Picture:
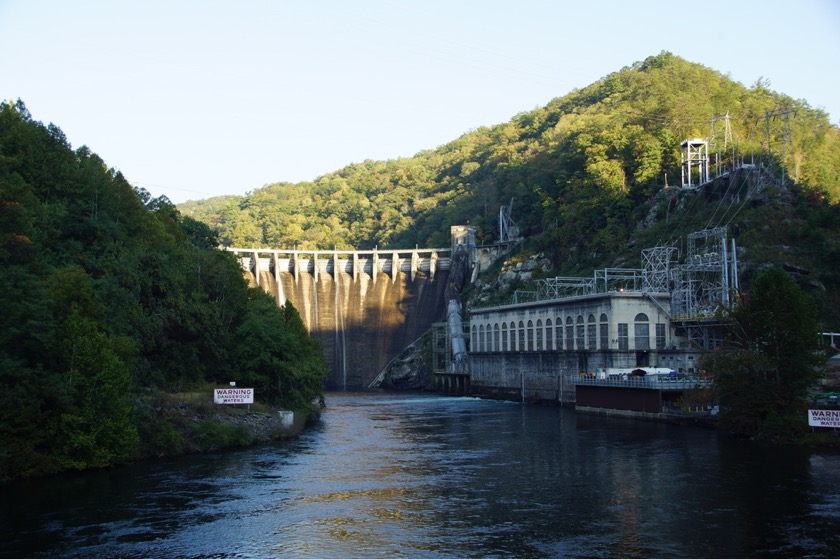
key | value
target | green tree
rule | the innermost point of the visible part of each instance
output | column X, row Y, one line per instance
column 96, row 429
column 764, row 378
column 31, row 394
column 276, row 355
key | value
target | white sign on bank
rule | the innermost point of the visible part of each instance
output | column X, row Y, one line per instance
column 824, row 418
column 233, row 396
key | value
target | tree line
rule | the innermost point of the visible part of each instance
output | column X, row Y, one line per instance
column 588, row 161
column 110, row 295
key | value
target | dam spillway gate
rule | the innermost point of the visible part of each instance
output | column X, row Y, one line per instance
column 364, row 306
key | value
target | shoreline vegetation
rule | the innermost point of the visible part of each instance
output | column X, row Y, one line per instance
column 190, row 423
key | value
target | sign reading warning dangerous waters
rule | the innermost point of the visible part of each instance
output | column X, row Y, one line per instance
column 233, row 396
column 824, row 418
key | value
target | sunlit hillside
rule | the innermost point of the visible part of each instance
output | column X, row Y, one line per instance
column 591, row 176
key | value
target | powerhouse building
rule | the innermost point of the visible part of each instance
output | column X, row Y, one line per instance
column 621, row 329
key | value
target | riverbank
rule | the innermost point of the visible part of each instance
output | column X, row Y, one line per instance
column 186, row 423
column 176, row 424
column 395, row 475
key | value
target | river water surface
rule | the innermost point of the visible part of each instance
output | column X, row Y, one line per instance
column 433, row 477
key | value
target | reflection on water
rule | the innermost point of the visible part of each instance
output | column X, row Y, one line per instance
column 419, row 476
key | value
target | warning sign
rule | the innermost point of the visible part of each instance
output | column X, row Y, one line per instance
column 233, row 396
column 824, row 418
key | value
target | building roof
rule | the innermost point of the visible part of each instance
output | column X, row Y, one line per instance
column 576, row 299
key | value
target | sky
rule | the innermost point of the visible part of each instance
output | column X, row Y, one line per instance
column 198, row 98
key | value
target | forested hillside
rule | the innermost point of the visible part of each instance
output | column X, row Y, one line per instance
column 110, row 298
column 609, row 146
column 588, row 175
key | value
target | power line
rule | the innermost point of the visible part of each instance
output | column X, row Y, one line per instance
column 146, row 186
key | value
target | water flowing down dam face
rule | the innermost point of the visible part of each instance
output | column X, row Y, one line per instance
column 362, row 324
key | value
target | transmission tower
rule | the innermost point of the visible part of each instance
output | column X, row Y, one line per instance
column 714, row 142
column 508, row 230
column 656, row 267
column 707, row 279
column 786, row 133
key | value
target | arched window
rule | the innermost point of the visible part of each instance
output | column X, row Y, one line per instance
column 513, row 337
column 504, row 337
column 558, row 335
column 481, row 338
column 605, row 332
column 496, row 337
column 623, row 337
column 660, row 335
column 539, row 335
column 474, row 340
column 549, row 335
column 570, row 333
column 530, row 335
column 642, row 331
column 579, row 334
column 521, row 346
column 590, row 333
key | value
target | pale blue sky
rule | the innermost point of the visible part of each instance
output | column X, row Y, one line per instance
column 192, row 99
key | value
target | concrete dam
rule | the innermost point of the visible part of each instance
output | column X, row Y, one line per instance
column 365, row 307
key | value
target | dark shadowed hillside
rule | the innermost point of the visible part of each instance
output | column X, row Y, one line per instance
column 110, row 302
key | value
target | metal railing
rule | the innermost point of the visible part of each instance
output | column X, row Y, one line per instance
column 641, row 382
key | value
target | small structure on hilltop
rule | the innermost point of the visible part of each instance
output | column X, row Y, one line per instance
column 695, row 163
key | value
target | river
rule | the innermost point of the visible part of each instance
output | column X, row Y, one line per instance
column 392, row 475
